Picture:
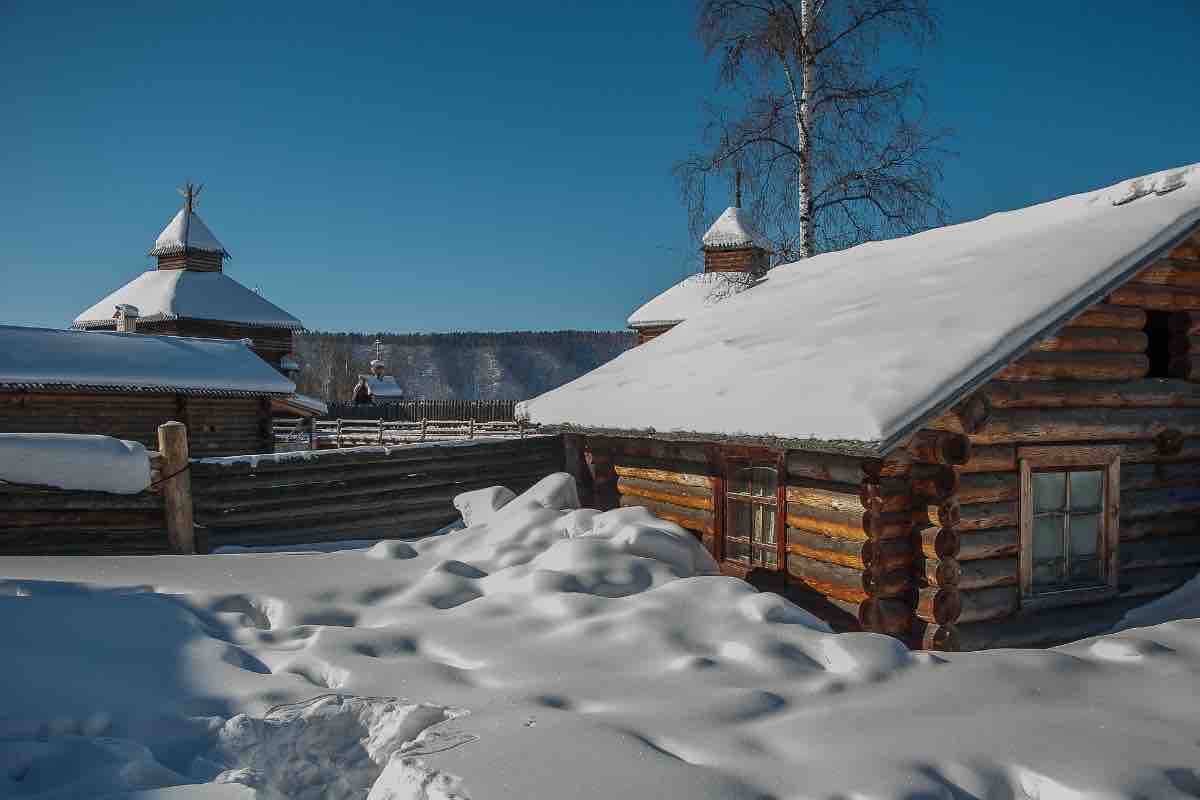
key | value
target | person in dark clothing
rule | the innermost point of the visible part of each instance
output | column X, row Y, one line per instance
column 362, row 394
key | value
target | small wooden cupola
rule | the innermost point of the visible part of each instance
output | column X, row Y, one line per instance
column 186, row 242
column 731, row 243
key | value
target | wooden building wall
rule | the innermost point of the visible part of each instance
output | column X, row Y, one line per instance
column 645, row 334
column 216, row 425
column 1091, row 383
column 271, row 344
column 925, row 544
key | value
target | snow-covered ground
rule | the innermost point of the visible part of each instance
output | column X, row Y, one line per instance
column 548, row 652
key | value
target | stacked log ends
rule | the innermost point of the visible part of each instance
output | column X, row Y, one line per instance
column 1169, row 442
column 973, row 412
column 941, row 605
column 930, row 636
column 936, row 542
column 885, row 615
column 940, row 447
column 934, row 481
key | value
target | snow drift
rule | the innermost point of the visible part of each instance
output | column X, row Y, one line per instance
column 598, row 654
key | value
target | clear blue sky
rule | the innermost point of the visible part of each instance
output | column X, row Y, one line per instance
column 482, row 165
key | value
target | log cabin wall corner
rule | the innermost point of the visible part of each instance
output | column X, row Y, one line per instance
column 1096, row 429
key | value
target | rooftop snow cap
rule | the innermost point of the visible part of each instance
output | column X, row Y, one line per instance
column 186, row 231
column 856, row 349
column 730, row 230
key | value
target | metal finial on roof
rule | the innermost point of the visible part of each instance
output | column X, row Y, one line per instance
column 737, row 188
column 190, row 192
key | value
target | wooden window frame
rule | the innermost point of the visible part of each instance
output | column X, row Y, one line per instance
column 1067, row 457
column 731, row 458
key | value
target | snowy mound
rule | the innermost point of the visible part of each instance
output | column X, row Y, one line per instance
column 71, row 461
column 547, row 651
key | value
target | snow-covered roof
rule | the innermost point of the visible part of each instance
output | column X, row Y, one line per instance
column 164, row 294
column 731, row 230
column 44, row 358
column 690, row 296
column 186, row 232
column 384, row 388
column 304, row 404
column 866, row 344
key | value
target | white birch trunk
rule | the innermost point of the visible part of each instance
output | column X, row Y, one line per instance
column 803, row 128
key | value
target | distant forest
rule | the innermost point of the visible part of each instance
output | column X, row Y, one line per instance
column 456, row 366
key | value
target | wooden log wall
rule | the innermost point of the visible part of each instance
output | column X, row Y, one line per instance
column 848, row 543
column 216, row 425
column 1086, row 384
column 856, row 527
column 675, row 480
column 324, row 495
column 42, row 521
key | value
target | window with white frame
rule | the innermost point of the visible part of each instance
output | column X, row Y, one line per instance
column 1069, row 518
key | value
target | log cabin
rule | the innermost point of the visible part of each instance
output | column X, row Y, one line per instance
column 188, row 293
column 979, row 436
column 735, row 256
column 126, row 385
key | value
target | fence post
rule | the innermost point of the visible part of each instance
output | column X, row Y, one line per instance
column 312, row 433
column 338, row 439
column 381, row 430
column 423, row 423
column 177, row 487
column 471, row 429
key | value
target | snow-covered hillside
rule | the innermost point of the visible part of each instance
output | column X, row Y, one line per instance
column 547, row 651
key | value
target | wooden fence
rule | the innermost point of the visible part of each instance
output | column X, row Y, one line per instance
column 281, row 498
column 417, row 410
column 363, row 492
column 40, row 520
column 292, row 433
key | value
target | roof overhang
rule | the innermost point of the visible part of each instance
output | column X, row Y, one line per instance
column 1175, row 235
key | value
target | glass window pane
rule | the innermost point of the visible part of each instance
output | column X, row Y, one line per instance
column 739, row 481
column 1086, row 490
column 1085, row 570
column 768, row 526
column 739, row 551
column 1048, row 537
column 1085, row 535
column 769, row 558
column 1049, row 491
column 740, row 522
column 764, row 482
column 1045, row 575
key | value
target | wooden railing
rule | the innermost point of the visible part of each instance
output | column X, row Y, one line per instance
column 416, row 410
column 299, row 434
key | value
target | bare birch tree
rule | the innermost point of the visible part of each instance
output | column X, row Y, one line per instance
column 828, row 136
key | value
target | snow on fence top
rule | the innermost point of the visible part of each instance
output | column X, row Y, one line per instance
column 690, row 296
column 69, row 461
column 32, row 358
column 186, row 231
column 730, row 230
column 173, row 293
column 862, row 345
